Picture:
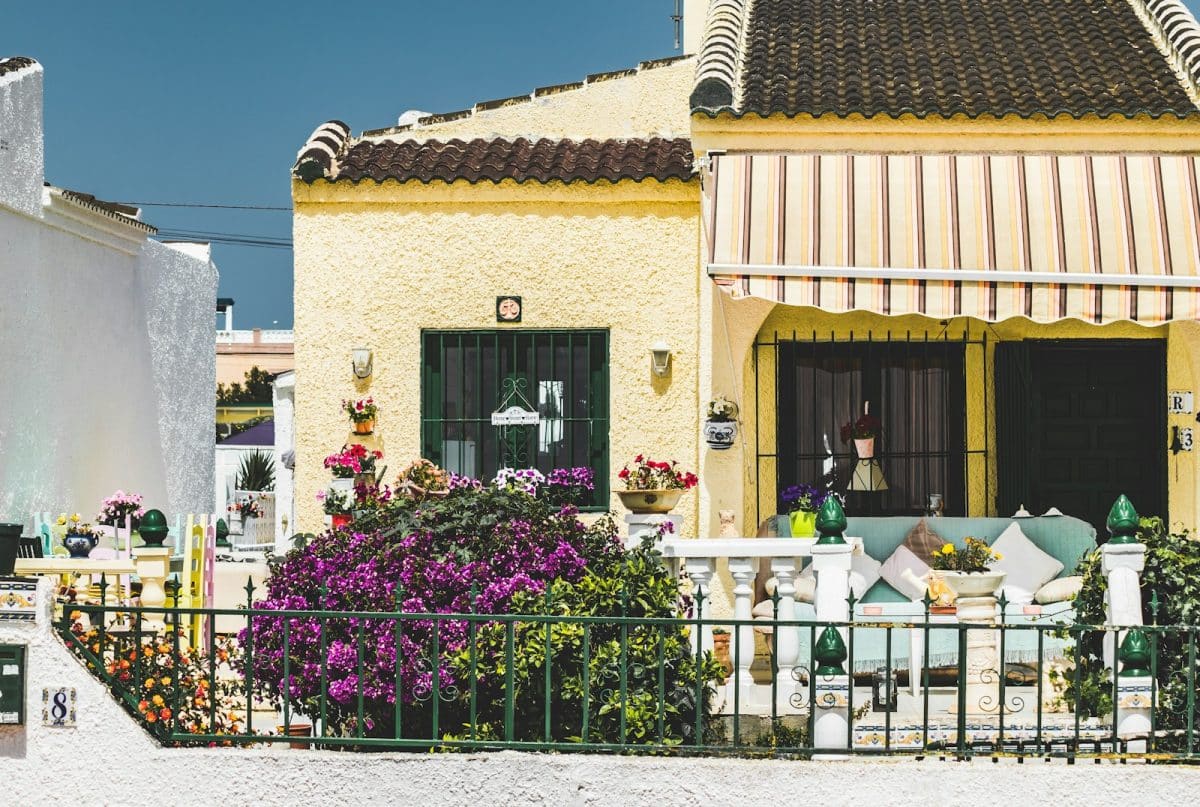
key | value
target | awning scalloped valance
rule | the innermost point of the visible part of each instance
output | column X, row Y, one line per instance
column 1096, row 237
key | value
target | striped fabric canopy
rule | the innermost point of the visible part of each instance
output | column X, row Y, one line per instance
column 1097, row 237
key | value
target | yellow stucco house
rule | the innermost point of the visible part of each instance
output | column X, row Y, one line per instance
column 980, row 220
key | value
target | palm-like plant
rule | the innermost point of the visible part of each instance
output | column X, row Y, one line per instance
column 257, row 472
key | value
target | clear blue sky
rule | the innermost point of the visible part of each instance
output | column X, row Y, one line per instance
column 209, row 102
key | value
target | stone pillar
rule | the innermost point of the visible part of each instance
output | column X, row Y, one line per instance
column 1134, row 692
column 641, row 525
column 1122, row 560
column 831, row 699
column 153, row 564
column 742, row 644
column 983, row 666
column 700, row 572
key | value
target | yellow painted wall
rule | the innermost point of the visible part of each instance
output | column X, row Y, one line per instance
column 732, row 476
column 376, row 264
column 651, row 102
column 909, row 134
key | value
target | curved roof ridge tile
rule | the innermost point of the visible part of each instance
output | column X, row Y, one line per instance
column 318, row 156
column 718, row 66
column 1180, row 33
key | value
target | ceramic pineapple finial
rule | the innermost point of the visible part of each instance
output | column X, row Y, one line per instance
column 831, row 522
column 1122, row 522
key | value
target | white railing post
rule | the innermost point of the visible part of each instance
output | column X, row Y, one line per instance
column 1122, row 560
column 786, row 637
column 700, row 572
column 831, row 564
column 743, row 571
column 650, row 525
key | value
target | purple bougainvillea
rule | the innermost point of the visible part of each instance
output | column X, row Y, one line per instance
column 498, row 541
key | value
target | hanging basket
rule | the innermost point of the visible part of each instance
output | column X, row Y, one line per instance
column 720, row 434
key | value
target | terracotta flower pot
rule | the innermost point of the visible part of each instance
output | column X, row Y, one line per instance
column 721, row 652
column 364, row 426
column 650, row 501
column 296, row 730
column 865, row 448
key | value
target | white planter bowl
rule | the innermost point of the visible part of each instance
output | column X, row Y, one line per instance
column 974, row 584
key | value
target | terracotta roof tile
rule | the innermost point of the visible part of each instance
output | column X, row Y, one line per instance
column 949, row 57
column 521, row 160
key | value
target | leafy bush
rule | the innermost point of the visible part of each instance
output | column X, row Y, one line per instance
column 508, row 548
column 1172, row 574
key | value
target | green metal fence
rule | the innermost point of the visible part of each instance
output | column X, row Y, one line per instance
column 549, row 681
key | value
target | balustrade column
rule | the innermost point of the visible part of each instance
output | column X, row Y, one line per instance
column 700, row 572
column 1122, row 561
column 743, row 572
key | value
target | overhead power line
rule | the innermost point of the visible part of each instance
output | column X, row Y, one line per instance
column 201, row 204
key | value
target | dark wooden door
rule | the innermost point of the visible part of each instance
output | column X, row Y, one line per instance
column 1096, row 427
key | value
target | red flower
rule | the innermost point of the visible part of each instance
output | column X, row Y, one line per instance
column 638, row 458
column 624, row 474
column 358, row 405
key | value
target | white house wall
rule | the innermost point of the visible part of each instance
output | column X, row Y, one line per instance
column 107, row 369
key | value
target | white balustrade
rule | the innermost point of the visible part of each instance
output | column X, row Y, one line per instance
column 698, row 557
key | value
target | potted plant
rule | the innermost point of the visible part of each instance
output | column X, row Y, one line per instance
column 256, row 472
column 720, row 427
column 362, row 414
column 10, row 543
column 353, row 465
column 863, row 432
column 119, row 508
column 967, row 571
column 247, row 508
column 652, row 486
column 802, row 503
column 79, row 538
column 422, row 479
column 337, row 506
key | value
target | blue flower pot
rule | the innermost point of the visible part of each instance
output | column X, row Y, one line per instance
column 79, row 545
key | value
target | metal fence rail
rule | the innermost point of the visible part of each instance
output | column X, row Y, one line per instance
column 552, row 682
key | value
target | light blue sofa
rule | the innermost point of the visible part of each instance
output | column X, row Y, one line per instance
column 1067, row 539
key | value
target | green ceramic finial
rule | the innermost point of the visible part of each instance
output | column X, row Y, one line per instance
column 831, row 522
column 830, row 652
column 1135, row 654
column 222, row 533
column 153, row 528
column 1122, row 522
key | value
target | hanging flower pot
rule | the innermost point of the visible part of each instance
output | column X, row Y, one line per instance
column 865, row 448
column 364, row 426
column 720, row 434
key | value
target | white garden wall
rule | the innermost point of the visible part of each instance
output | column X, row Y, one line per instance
column 108, row 759
column 107, row 368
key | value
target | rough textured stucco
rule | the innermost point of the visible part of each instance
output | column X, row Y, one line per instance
column 112, row 761
column 375, row 265
column 21, row 155
column 107, row 361
column 652, row 101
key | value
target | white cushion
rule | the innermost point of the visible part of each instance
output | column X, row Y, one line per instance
column 864, row 573
column 806, row 590
column 1026, row 567
column 1060, row 589
column 893, row 572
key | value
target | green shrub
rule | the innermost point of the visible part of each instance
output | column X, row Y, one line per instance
column 256, row 472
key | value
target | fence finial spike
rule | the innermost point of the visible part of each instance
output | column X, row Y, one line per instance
column 1122, row 522
column 1135, row 654
column 830, row 652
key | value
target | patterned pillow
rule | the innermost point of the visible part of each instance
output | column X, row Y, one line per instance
column 922, row 541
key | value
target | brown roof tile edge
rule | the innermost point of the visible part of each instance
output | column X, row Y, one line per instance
column 521, row 160
column 113, row 210
column 539, row 92
column 317, row 157
column 1181, row 33
column 12, row 64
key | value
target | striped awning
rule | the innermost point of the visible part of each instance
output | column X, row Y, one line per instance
column 1096, row 237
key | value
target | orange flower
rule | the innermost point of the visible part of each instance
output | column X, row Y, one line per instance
column 143, row 706
column 149, row 683
column 151, row 717
column 165, row 714
column 124, row 664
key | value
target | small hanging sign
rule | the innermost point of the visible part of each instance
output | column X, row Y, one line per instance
column 516, row 416
column 1179, row 402
column 515, row 409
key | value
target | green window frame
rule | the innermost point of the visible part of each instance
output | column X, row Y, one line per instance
column 564, row 374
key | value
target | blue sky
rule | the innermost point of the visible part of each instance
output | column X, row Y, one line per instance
column 209, row 102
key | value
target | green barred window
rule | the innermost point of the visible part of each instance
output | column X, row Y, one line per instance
column 563, row 375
